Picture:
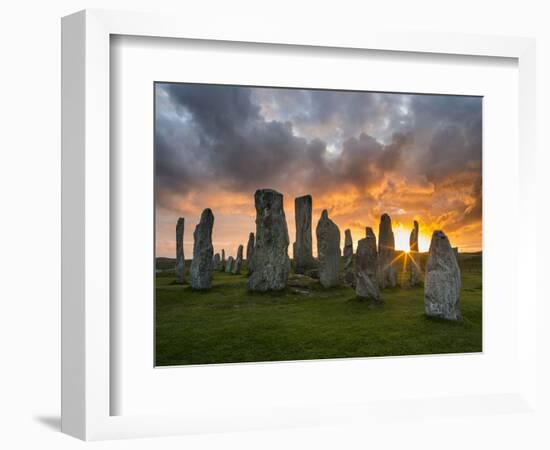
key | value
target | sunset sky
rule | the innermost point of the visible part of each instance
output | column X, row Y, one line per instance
column 359, row 154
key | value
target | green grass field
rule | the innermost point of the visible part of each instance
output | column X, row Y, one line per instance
column 228, row 324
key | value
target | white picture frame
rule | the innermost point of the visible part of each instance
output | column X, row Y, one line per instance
column 86, row 245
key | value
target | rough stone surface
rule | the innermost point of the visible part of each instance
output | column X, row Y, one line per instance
column 217, row 261
column 328, row 250
column 387, row 275
column 229, row 264
column 349, row 275
column 222, row 262
column 313, row 273
column 180, row 258
column 236, row 269
column 271, row 262
column 442, row 280
column 366, row 267
column 414, row 257
column 250, row 254
column 455, row 250
column 202, row 265
column 302, row 248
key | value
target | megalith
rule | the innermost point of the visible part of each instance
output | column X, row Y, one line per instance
column 414, row 257
column 271, row 261
column 366, row 268
column 222, row 262
column 387, row 275
column 442, row 280
column 302, row 247
column 349, row 275
column 202, row 264
column 217, row 261
column 229, row 264
column 180, row 258
column 250, row 254
column 328, row 250
column 236, row 269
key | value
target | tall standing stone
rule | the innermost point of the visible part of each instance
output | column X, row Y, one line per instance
column 414, row 257
column 387, row 274
column 250, row 254
column 222, row 262
column 366, row 267
column 328, row 250
column 180, row 258
column 202, row 265
column 236, row 269
column 442, row 280
column 217, row 261
column 270, row 261
column 302, row 248
column 349, row 275
column 229, row 264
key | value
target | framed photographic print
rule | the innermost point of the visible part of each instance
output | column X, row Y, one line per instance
column 266, row 229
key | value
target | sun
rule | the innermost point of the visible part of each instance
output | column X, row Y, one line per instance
column 401, row 235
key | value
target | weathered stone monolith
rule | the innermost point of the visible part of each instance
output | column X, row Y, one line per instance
column 236, row 269
column 387, row 275
column 180, row 258
column 223, row 261
column 202, row 264
column 414, row 257
column 442, row 280
column 271, row 262
column 250, row 254
column 349, row 275
column 302, row 248
column 328, row 250
column 366, row 268
column 217, row 261
column 229, row 264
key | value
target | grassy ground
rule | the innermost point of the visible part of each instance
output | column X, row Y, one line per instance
column 229, row 324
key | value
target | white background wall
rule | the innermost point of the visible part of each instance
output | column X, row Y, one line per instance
column 30, row 199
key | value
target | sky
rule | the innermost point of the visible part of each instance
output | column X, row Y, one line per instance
column 359, row 154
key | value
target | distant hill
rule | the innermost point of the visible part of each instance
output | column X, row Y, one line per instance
column 164, row 264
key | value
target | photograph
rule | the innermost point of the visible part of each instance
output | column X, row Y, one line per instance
column 295, row 223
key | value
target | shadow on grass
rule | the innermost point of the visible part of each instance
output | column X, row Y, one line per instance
column 369, row 302
column 441, row 321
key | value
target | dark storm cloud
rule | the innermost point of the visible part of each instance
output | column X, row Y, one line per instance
column 238, row 139
column 218, row 134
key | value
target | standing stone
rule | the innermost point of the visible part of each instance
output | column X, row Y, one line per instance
column 349, row 275
column 328, row 250
column 229, row 264
column 387, row 275
column 442, row 280
column 271, row 262
column 302, row 248
column 455, row 251
column 217, row 261
column 366, row 268
column 236, row 269
column 250, row 254
column 414, row 257
column 222, row 262
column 202, row 264
column 180, row 258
